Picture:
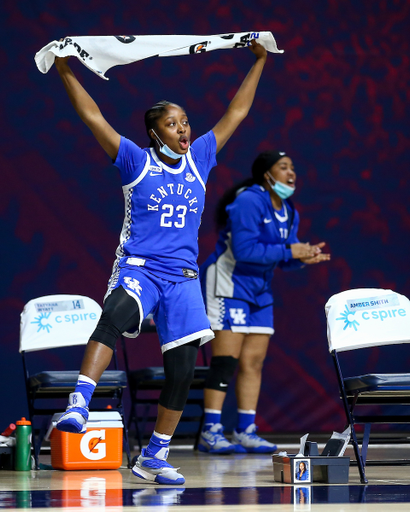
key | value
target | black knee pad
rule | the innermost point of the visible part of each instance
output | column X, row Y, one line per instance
column 120, row 314
column 220, row 373
column 179, row 366
column 106, row 333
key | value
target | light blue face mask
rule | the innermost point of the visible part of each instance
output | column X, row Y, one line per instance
column 283, row 190
column 166, row 150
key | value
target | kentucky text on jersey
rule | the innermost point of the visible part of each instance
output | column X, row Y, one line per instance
column 180, row 190
column 163, row 207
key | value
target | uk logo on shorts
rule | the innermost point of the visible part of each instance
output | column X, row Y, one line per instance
column 238, row 316
column 133, row 284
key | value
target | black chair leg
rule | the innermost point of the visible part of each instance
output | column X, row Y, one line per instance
column 198, row 434
column 125, row 439
column 133, row 418
column 39, row 441
column 127, row 447
column 359, row 459
column 36, row 445
column 144, row 421
column 365, row 442
column 349, row 418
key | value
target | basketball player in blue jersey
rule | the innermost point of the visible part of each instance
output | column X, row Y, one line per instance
column 259, row 233
column 156, row 265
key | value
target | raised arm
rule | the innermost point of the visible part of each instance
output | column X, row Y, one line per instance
column 240, row 105
column 88, row 110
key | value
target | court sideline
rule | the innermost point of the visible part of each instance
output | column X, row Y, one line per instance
column 214, row 483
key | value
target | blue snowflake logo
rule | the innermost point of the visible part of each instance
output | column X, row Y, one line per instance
column 346, row 316
column 42, row 322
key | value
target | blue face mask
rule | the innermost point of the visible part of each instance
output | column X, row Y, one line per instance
column 165, row 150
column 283, row 190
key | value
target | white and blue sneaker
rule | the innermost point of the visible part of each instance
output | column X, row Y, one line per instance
column 156, row 470
column 248, row 442
column 75, row 416
column 157, row 497
column 213, row 441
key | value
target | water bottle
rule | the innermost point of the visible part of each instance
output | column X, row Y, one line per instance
column 22, row 461
column 9, row 430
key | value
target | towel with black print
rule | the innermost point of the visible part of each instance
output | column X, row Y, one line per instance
column 100, row 53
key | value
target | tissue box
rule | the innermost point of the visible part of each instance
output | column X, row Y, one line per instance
column 308, row 469
column 100, row 447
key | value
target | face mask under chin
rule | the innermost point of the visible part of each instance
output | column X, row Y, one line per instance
column 166, row 150
column 282, row 190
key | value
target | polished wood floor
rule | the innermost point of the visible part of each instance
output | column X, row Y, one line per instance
column 213, row 483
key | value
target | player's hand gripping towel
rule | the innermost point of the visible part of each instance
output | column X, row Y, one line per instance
column 100, row 53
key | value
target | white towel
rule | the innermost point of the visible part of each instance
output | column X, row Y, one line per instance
column 100, row 53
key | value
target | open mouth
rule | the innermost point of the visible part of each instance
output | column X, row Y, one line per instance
column 291, row 183
column 184, row 142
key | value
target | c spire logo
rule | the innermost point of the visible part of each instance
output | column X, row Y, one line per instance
column 58, row 313
column 42, row 322
column 347, row 317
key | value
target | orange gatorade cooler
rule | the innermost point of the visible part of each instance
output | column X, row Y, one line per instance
column 100, row 447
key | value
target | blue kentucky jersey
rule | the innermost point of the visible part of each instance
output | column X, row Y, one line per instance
column 255, row 240
column 163, row 207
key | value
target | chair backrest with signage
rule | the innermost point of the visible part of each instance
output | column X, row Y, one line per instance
column 365, row 318
column 55, row 322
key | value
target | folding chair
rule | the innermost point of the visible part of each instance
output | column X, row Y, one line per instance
column 58, row 321
column 145, row 385
column 361, row 319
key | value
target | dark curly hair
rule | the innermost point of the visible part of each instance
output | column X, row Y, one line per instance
column 262, row 163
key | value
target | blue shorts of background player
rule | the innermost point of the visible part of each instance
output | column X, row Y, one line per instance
column 238, row 315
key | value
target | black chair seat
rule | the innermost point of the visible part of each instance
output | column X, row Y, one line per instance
column 50, row 381
column 378, row 383
column 153, row 377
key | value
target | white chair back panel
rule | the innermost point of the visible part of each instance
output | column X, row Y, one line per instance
column 366, row 317
column 57, row 321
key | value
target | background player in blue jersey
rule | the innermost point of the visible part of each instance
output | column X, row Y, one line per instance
column 259, row 233
column 155, row 269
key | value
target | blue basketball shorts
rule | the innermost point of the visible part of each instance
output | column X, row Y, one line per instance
column 236, row 315
column 178, row 308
